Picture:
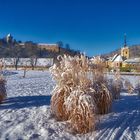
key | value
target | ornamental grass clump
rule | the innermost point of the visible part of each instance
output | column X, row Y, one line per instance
column 2, row 89
column 80, row 93
column 82, row 108
column 102, row 96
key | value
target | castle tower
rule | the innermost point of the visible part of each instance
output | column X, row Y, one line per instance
column 125, row 50
column 9, row 38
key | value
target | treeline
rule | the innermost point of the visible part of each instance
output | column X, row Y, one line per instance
column 13, row 48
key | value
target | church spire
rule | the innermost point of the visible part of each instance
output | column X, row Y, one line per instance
column 125, row 42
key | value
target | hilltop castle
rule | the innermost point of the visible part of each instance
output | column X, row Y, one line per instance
column 42, row 46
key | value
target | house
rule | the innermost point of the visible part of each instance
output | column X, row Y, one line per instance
column 49, row 47
column 117, row 61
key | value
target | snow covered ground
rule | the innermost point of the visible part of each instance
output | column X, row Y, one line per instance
column 26, row 114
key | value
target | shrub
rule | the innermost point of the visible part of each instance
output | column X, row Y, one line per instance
column 129, row 86
column 2, row 89
column 125, row 69
column 115, row 88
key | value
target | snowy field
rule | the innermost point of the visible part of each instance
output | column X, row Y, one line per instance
column 26, row 115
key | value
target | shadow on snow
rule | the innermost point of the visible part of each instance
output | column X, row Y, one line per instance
column 7, row 73
column 25, row 102
column 125, row 115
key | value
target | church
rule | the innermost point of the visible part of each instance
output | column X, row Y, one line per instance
column 123, row 60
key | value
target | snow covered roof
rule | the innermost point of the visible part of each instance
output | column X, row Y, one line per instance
column 117, row 58
column 114, row 57
column 27, row 61
column 133, row 60
column 45, row 44
column 126, row 47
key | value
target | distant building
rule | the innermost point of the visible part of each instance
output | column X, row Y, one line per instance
column 125, row 52
column 123, row 60
column 49, row 47
column 9, row 38
column 117, row 61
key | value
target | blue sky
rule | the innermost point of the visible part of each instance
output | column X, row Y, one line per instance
column 92, row 26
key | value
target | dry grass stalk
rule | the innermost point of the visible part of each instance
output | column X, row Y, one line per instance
column 103, row 99
column 57, row 104
column 2, row 89
column 82, row 109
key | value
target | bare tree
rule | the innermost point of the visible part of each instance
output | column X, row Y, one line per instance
column 25, row 69
column 16, row 54
column 16, row 61
column 33, row 62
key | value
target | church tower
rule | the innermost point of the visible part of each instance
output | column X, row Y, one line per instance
column 125, row 50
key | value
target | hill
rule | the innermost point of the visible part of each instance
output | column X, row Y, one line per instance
column 10, row 47
column 134, row 52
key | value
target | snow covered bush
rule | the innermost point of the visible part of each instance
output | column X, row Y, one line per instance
column 102, row 95
column 115, row 85
column 129, row 87
column 2, row 89
column 76, row 97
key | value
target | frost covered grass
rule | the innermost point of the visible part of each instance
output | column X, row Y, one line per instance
column 78, row 97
